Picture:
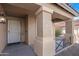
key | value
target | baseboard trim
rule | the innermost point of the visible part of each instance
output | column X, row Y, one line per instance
column 14, row 43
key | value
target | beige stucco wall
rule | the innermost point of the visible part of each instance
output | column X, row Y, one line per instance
column 2, row 36
column 23, row 31
column 44, row 41
column 31, row 29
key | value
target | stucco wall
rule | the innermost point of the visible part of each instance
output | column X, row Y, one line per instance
column 26, row 30
column 23, row 30
column 45, row 43
column 31, row 29
column 2, row 36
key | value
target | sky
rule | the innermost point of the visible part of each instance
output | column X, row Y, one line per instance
column 76, row 7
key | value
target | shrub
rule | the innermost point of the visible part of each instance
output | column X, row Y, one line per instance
column 57, row 32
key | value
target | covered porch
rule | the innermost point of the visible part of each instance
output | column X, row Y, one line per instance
column 36, row 26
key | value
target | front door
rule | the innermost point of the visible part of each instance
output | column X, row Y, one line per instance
column 13, row 31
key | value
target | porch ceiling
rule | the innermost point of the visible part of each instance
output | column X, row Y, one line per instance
column 58, row 17
column 19, row 10
column 22, row 9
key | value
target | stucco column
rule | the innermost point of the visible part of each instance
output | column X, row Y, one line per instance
column 45, row 43
column 31, row 28
column 69, row 31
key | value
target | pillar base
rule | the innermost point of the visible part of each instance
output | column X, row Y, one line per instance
column 44, row 46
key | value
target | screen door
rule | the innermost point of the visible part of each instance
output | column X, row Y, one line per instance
column 13, row 31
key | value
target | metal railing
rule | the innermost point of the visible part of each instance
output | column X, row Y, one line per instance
column 60, row 44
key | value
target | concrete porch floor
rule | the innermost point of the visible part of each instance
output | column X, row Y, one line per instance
column 18, row 50
column 25, row 50
column 71, row 51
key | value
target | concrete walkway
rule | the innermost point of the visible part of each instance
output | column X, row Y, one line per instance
column 72, row 51
column 18, row 50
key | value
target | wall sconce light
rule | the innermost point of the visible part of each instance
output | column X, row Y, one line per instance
column 2, row 19
column 2, row 14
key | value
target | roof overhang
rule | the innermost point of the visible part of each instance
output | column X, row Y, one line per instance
column 68, row 8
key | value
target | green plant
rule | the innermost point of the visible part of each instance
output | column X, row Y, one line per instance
column 57, row 32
